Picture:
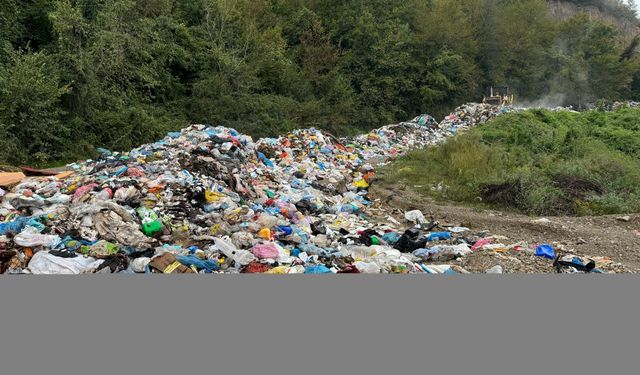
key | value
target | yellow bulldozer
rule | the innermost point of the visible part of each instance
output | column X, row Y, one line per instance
column 499, row 95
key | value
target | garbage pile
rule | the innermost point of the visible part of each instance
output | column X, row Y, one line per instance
column 610, row 105
column 619, row 105
column 211, row 200
column 472, row 114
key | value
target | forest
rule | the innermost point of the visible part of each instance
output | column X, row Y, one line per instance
column 81, row 74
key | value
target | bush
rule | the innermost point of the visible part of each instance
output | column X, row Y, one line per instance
column 538, row 162
column 31, row 126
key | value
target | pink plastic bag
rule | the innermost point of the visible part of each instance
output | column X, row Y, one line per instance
column 481, row 242
column 82, row 190
column 265, row 251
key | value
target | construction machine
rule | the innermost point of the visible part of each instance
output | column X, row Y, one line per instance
column 499, row 95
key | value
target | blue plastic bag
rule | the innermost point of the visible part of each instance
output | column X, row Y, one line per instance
column 15, row 226
column 439, row 236
column 425, row 253
column 265, row 160
column 121, row 171
column 317, row 269
column 287, row 230
column 545, row 251
column 200, row 264
column 391, row 237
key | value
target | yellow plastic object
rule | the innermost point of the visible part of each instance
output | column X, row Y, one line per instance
column 212, row 196
column 280, row 270
column 264, row 233
column 361, row 184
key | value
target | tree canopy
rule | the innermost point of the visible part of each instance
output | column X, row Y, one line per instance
column 76, row 74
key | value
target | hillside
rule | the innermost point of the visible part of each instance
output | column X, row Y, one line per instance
column 624, row 19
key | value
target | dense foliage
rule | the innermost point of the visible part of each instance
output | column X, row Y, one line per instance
column 538, row 162
column 75, row 74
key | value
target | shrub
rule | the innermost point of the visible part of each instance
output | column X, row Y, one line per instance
column 538, row 162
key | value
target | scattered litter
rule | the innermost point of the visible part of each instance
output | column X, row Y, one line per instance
column 545, row 251
column 211, row 200
column 542, row 220
column 497, row 269
column 414, row 216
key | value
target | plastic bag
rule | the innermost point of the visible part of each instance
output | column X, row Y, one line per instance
column 545, row 251
column 367, row 267
column 443, row 252
column 437, row 236
column 266, row 251
column 15, row 226
column 207, row 265
column 414, row 216
column 481, row 242
column 317, row 269
column 139, row 265
column 358, row 252
column 31, row 237
column 444, row 269
column 44, row 263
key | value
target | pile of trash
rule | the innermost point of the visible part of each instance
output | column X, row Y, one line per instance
column 211, row 200
column 610, row 105
column 472, row 114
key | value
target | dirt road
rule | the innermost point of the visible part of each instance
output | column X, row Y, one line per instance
column 592, row 236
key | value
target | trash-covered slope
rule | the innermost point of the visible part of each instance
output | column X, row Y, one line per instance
column 208, row 199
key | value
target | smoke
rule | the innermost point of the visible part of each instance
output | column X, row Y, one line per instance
column 553, row 100
column 567, row 84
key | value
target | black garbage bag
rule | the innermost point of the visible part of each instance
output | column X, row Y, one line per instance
column 115, row 263
column 365, row 237
column 318, row 228
column 411, row 240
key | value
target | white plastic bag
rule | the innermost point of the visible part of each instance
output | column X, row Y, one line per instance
column 44, row 263
column 367, row 267
column 139, row 265
column 30, row 237
column 448, row 252
column 361, row 252
column 414, row 216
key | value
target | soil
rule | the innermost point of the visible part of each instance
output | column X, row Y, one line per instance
column 591, row 236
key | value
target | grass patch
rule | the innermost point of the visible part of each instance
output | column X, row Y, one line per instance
column 538, row 162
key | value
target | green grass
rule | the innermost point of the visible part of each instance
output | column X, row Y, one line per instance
column 538, row 162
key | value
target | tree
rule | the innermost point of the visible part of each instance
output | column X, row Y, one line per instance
column 129, row 70
column 516, row 37
column 588, row 64
column 31, row 118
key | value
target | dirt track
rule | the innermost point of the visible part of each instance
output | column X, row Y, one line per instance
column 593, row 236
